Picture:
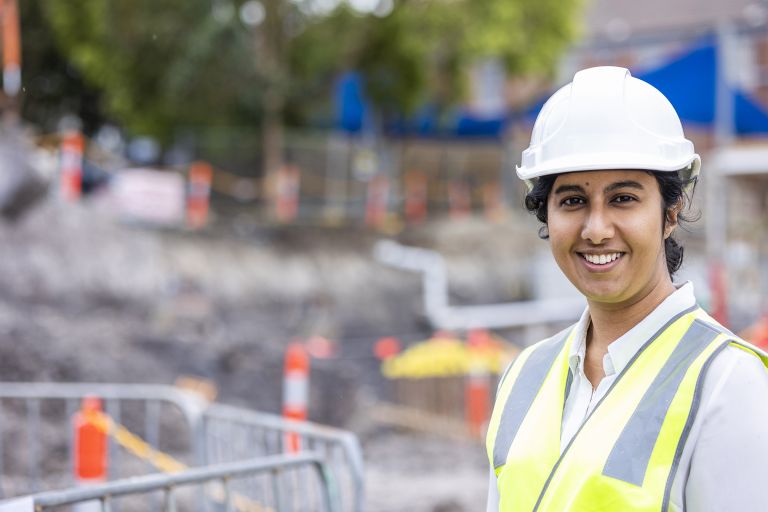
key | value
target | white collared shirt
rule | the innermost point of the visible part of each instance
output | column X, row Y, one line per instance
column 725, row 459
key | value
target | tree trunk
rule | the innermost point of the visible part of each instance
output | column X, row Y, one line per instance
column 273, row 101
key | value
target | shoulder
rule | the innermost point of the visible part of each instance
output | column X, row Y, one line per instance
column 730, row 442
column 737, row 350
column 738, row 370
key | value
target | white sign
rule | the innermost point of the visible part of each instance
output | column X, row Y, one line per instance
column 146, row 195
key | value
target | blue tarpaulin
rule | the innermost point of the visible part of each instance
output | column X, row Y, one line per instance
column 351, row 104
column 688, row 81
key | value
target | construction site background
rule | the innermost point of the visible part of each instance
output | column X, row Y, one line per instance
column 195, row 265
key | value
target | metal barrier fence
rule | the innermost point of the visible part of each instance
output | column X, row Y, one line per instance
column 36, row 441
column 336, row 174
column 225, row 494
column 233, row 433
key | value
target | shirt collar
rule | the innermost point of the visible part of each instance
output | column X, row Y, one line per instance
column 622, row 350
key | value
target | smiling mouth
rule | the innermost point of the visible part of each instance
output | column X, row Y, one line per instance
column 602, row 259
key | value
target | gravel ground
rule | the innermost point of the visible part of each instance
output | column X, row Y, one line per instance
column 423, row 474
column 84, row 297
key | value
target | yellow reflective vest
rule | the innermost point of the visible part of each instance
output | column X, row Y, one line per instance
column 625, row 455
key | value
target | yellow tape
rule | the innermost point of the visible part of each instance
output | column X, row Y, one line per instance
column 162, row 461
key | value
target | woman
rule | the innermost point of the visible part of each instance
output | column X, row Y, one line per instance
column 646, row 403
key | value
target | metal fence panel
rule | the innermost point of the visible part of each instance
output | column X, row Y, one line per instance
column 180, row 424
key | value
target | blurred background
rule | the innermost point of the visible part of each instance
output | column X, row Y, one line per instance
column 189, row 187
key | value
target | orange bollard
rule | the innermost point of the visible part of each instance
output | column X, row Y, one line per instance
column 320, row 347
column 71, row 165
column 295, row 391
column 459, row 199
column 199, row 194
column 387, row 348
column 90, row 451
column 11, row 47
column 287, row 193
column 477, row 393
column 493, row 202
column 376, row 202
column 718, row 290
column 479, row 338
column 415, row 197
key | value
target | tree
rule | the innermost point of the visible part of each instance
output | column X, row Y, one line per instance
column 423, row 49
column 161, row 64
column 51, row 87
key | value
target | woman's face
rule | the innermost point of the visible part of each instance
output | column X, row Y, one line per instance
column 607, row 234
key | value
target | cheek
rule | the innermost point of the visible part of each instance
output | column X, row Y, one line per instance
column 646, row 232
column 561, row 236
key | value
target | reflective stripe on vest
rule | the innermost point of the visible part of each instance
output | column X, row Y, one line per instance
column 625, row 455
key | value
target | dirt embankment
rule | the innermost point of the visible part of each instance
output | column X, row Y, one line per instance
column 86, row 298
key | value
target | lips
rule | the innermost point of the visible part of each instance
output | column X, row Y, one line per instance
column 600, row 263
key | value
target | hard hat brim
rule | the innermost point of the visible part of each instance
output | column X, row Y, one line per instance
column 608, row 162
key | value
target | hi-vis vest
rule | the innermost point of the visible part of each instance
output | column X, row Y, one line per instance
column 625, row 455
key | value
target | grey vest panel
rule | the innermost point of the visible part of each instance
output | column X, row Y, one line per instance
column 524, row 391
column 628, row 460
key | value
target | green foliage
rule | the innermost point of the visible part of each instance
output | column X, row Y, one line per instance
column 424, row 48
column 51, row 87
column 162, row 64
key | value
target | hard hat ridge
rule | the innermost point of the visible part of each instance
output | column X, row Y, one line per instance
column 607, row 119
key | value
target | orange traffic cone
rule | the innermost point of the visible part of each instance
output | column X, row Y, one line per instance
column 718, row 289
column 377, row 201
column 71, row 165
column 11, row 48
column 415, row 196
column 90, row 453
column 295, row 391
column 387, row 348
column 199, row 194
column 493, row 201
column 477, row 392
column 459, row 199
column 287, row 200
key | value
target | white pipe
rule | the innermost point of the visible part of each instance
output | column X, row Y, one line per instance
column 489, row 316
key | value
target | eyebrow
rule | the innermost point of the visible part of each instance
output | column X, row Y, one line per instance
column 569, row 188
column 610, row 188
column 623, row 184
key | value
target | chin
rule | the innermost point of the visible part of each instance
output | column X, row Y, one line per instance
column 604, row 292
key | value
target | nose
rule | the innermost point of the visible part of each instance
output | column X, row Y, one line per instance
column 598, row 226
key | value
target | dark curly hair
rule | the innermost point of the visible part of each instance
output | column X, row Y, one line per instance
column 672, row 188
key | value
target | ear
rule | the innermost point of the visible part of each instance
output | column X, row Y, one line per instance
column 671, row 218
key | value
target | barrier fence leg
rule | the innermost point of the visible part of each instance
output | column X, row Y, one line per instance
column 2, row 472
column 33, row 436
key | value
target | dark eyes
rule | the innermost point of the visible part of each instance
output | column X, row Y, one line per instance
column 577, row 200
column 572, row 201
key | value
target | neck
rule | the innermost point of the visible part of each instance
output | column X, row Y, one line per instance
column 610, row 321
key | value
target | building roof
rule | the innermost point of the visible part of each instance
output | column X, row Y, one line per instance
column 619, row 20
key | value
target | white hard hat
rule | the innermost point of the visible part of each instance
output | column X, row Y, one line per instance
column 606, row 119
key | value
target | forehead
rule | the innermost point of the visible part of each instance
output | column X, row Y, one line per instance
column 600, row 179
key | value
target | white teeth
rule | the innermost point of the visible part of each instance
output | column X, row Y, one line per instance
column 602, row 259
